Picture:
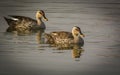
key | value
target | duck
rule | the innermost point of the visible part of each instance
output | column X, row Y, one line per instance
column 23, row 24
column 66, row 38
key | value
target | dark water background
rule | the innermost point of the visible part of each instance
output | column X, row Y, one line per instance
column 99, row 21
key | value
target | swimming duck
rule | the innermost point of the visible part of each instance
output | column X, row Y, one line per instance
column 64, row 37
column 23, row 24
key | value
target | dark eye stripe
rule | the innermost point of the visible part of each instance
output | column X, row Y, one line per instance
column 78, row 29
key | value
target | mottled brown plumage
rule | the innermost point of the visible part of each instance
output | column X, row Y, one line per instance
column 64, row 37
column 23, row 24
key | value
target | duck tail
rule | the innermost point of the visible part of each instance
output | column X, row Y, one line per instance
column 9, row 21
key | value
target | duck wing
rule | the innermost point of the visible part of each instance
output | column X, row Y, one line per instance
column 22, row 17
column 14, row 20
column 49, row 39
column 58, row 36
column 61, row 35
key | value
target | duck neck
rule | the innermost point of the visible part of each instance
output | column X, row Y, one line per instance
column 38, row 18
column 39, row 21
column 75, row 35
column 76, row 39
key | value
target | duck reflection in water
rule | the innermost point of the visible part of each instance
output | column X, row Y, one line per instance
column 77, row 52
column 40, row 37
column 26, row 25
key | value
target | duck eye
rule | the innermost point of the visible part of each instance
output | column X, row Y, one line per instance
column 77, row 29
column 40, row 12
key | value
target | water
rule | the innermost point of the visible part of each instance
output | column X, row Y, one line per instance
column 99, row 21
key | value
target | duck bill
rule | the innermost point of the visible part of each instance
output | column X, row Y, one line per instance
column 80, row 33
column 44, row 17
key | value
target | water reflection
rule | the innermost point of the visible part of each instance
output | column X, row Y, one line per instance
column 14, row 38
column 40, row 36
column 77, row 51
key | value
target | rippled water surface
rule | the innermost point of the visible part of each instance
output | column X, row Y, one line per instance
column 99, row 21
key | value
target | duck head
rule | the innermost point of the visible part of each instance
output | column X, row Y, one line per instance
column 76, row 31
column 39, row 15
